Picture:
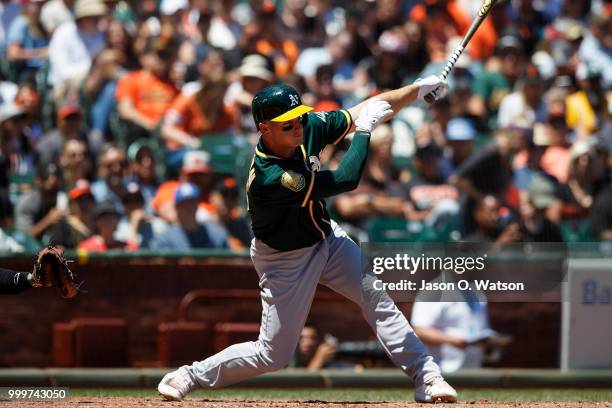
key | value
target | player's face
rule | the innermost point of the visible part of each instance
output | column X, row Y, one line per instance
column 288, row 133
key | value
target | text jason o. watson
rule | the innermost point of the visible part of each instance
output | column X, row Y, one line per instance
column 423, row 285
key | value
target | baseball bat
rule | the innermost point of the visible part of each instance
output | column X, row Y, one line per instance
column 486, row 7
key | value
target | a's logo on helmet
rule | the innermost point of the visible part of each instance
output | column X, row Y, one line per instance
column 294, row 101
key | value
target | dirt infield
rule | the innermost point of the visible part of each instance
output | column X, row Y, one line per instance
column 122, row 402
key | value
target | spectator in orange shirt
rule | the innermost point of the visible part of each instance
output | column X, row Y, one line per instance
column 144, row 96
column 444, row 19
column 271, row 41
column 191, row 116
column 197, row 170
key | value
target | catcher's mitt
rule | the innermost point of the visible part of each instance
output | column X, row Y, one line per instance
column 51, row 270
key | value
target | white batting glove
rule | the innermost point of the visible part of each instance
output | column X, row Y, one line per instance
column 371, row 114
column 433, row 84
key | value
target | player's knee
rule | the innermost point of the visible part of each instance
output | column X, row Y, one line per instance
column 274, row 359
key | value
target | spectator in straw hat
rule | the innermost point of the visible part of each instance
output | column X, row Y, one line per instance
column 255, row 73
column 75, row 44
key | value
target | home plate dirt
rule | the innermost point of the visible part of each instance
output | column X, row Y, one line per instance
column 131, row 402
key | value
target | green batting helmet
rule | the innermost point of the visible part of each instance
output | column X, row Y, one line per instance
column 277, row 103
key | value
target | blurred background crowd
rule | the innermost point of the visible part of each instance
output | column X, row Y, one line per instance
column 127, row 124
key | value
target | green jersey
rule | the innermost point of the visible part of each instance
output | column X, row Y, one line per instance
column 287, row 212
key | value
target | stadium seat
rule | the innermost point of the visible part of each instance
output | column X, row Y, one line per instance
column 229, row 153
column 385, row 229
column 576, row 231
column 19, row 184
column 227, row 334
column 91, row 342
column 181, row 343
column 394, row 230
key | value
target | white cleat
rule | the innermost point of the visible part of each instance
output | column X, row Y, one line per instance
column 174, row 386
column 435, row 390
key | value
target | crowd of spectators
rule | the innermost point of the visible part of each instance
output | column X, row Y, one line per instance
column 105, row 106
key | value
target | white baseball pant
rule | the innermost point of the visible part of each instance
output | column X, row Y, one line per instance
column 288, row 281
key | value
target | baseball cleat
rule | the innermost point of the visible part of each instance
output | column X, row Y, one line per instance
column 174, row 386
column 435, row 390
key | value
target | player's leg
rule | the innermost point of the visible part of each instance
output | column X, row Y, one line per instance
column 344, row 274
column 288, row 283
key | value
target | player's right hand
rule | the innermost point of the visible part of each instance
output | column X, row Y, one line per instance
column 372, row 113
column 434, row 85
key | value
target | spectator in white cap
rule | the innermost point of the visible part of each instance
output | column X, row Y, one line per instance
column 255, row 73
column 74, row 45
column 55, row 13
column 172, row 7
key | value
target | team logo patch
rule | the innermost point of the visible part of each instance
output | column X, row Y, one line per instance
column 293, row 181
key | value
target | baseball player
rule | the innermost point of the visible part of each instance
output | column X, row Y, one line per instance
column 297, row 245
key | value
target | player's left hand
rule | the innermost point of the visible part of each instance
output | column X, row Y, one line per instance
column 434, row 85
column 372, row 113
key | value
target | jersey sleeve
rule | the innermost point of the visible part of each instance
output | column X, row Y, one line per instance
column 329, row 127
column 273, row 184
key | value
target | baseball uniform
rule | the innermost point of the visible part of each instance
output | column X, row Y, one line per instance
column 297, row 246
